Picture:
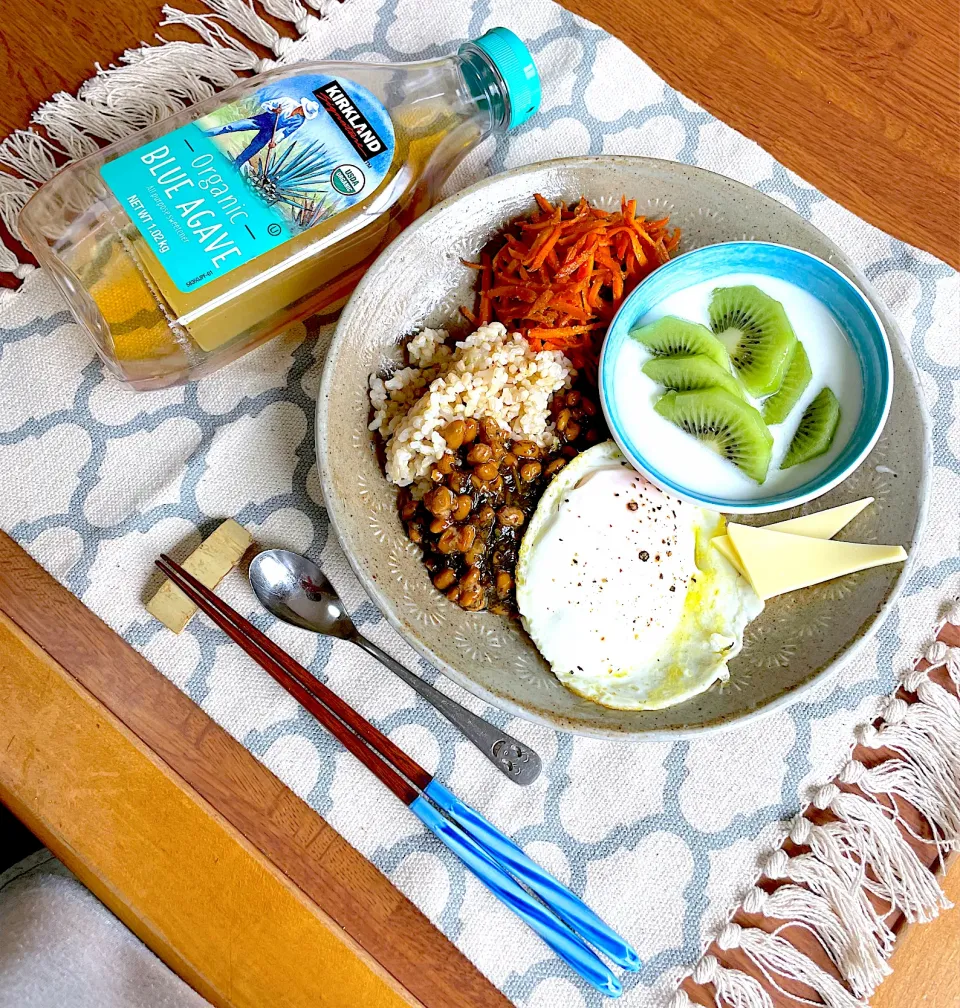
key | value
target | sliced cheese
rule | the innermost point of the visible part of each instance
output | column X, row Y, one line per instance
column 728, row 551
column 778, row 562
column 820, row 525
column 209, row 563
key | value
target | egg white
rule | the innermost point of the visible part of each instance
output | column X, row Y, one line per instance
column 620, row 590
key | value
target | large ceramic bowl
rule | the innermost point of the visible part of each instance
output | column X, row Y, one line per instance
column 799, row 639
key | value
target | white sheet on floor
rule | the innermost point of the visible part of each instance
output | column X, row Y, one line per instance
column 60, row 947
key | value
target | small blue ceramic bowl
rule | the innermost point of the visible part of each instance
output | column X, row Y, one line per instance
column 849, row 307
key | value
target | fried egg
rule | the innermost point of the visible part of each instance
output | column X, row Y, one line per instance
column 621, row 591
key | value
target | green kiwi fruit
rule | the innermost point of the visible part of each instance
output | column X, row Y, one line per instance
column 691, row 372
column 672, row 337
column 732, row 427
column 816, row 430
column 755, row 330
column 777, row 408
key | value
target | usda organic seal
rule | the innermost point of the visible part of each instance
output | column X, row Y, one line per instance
column 347, row 179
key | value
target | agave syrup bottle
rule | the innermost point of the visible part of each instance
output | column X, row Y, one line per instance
column 185, row 245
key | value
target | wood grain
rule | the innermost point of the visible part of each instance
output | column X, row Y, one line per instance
column 859, row 97
column 211, row 906
column 930, row 989
column 274, row 820
column 58, row 45
column 926, row 961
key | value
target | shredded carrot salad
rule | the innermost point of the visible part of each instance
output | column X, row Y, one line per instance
column 559, row 276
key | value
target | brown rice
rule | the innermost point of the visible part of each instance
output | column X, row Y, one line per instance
column 489, row 374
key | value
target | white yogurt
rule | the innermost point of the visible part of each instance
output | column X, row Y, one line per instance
column 695, row 465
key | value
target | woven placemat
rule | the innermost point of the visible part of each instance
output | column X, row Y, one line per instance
column 664, row 840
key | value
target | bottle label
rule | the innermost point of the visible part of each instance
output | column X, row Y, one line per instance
column 254, row 173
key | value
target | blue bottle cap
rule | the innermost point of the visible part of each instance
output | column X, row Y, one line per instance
column 515, row 65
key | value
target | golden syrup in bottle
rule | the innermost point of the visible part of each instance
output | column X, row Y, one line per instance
column 191, row 242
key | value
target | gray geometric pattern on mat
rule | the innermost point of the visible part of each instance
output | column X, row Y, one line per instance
column 100, row 480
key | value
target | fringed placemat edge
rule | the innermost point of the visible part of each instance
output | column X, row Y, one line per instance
column 858, row 846
column 848, row 869
column 148, row 84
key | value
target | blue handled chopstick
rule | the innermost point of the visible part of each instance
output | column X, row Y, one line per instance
column 554, row 932
column 565, row 904
column 563, row 921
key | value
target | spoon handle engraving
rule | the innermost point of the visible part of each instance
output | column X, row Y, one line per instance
column 511, row 757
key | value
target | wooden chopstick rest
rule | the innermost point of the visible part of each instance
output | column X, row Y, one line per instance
column 209, row 563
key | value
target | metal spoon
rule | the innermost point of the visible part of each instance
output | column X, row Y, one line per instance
column 296, row 591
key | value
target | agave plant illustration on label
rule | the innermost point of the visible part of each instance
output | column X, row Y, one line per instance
column 297, row 180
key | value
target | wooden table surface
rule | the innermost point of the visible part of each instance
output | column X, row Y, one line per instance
column 860, row 97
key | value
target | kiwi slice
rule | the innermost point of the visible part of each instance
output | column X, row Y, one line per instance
column 732, row 427
column 672, row 337
column 816, row 430
column 755, row 329
column 777, row 408
column 691, row 372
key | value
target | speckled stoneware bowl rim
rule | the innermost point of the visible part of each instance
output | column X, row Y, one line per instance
column 338, row 508
column 819, row 484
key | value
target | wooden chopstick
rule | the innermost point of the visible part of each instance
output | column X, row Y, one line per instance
column 535, row 904
column 378, row 753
